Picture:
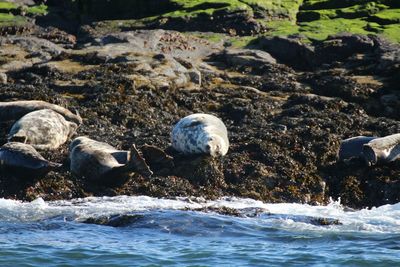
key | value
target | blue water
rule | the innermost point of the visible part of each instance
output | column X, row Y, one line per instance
column 162, row 234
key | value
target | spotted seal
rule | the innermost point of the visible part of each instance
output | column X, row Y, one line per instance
column 23, row 159
column 43, row 129
column 99, row 161
column 353, row 147
column 200, row 134
column 383, row 149
column 14, row 110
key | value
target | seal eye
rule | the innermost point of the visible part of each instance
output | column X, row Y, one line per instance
column 208, row 147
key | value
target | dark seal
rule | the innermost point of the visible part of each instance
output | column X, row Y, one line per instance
column 98, row 161
column 23, row 160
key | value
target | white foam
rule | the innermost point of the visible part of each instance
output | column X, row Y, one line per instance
column 384, row 219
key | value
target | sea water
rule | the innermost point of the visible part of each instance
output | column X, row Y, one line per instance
column 167, row 232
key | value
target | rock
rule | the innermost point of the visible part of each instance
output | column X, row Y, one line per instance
column 171, row 43
column 115, row 220
column 3, row 78
column 37, row 47
column 289, row 50
column 195, row 76
column 285, row 120
column 390, row 103
column 23, row 2
column 340, row 46
column 388, row 56
column 247, row 57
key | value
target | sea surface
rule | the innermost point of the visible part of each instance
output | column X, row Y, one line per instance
column 168, row 232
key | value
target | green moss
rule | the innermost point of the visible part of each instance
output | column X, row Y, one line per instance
column 334, row 4
column 388, row 16
column 283, row 9
column 240, row 42
column 320, row 30
column 356, row 11
column 11, row 20
column 363, row 10
column 392, row 32
column 313, row 19
column 282, row 28
column 6, row 17
column 192, row 8
column 275, row 9
column 7, row 5
column 37, row 10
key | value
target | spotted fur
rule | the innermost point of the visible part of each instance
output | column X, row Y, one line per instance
column 384, row 149
column 200, row 134
column 43, row 129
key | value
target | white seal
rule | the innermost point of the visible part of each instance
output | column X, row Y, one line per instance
column 383, row 149
column 200, row 134
column 372, row 150
column 43, row 129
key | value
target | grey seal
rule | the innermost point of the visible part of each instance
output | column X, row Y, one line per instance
column 383, row 149
column 14, row 110
column 353, row 147
column 43, row 129
column 99, row 161
column 23, row 159
column 200, row 134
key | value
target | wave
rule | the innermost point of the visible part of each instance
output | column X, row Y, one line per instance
column 287, row 216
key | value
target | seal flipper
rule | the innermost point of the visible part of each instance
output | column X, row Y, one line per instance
column 157, row 158
column 72, row 128
column 394, row 153
column 121, row 156
column 138, row 164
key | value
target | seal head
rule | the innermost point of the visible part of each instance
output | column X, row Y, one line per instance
column 353, row 147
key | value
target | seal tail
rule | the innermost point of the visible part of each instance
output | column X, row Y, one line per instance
column 137, row 163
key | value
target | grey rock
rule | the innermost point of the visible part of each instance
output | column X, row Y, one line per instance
column 3, row 78
column 247, row 57
column 289, row 50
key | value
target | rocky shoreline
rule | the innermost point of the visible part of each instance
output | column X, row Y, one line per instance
column 287, row 104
